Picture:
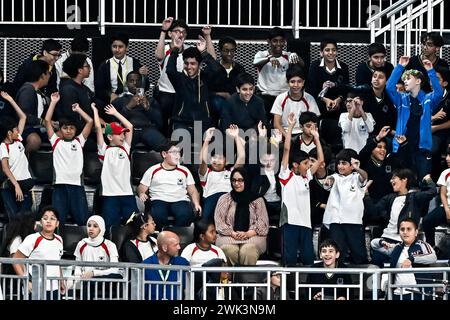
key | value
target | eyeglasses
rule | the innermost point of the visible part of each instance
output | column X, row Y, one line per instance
column 348, row 101
column 239, row 180
column 56, row 55
column 179, row 31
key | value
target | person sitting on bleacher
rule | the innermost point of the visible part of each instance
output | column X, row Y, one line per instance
column 95, row 248
column 111, row 74
column 242, row 222
column 204, row 248
column 43, row 245
column 376, row 61
column 394, row 207
column 244, row 109
column 141, row 244
column 119, row 201
column 69, row 196
column 441, row 214
column 406, row 254
column 170, row 185
column 329, row 254
column 142, row 112
column 50, row 53
column 15, row 191
column 168, row 249
column 215, row 179
column 34, row 103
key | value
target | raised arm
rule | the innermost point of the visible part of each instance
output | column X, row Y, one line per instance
column 437, row 93
column 49, row 115
column 98, row 126
column 362, row 174
column 22, row 116
column 391, row 84
column 204, row 152
column 206, row 30
column 233, row 131
column 109, row 109
column 287, row 141
column 159, row 52
column 320, row 157
column 89, row 122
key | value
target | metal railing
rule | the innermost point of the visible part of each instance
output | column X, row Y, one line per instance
column 247, row 282
column 254, row 14
column 409, row 17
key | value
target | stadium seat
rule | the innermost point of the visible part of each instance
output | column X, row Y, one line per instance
column 41, row 164
column 71, row 234
column 186, row 234
column 92, row 169
column 118, row 235
column 142, row 160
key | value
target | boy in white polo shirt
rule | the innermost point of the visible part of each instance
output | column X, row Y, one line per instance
column 295, row 217
column 169, row 185
column 294, row 100
column 215, row 179
column 68, row 194
column 344, row 211
column 118, row 197
column 16, row 189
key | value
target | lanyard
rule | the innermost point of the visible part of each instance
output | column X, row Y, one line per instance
column 116, row 67
column 164, row 278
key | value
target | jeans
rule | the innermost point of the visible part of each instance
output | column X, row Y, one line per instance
column 431, row 221
column 70, row 199
column 209, row 205
column 350, row 236
column 118, row 208
column 182, row 211
column 12, row 206
column 294, row 238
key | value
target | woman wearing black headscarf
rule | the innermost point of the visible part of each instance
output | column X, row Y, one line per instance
column 241, row 221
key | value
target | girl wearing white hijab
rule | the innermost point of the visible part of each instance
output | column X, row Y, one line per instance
column 96, row 248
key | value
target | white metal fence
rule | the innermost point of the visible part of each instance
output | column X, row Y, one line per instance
column 245, row 283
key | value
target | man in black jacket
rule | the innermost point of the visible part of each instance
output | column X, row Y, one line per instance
column 192, row 103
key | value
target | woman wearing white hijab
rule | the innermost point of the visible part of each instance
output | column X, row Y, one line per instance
column 96, row 248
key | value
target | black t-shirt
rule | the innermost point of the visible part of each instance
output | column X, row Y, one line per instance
column 413, row 125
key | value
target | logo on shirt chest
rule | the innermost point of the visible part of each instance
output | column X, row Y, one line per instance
column 226, row 176
column 121, row 155
column 362, row 127
column 20, row 147
column 179, row 182
column 352, row 188
column 73, row 147
column 385, row 109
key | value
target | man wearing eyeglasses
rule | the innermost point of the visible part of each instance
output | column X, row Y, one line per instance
column 431, row 43
column 50, row 52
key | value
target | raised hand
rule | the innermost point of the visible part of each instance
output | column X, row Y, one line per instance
column 383, row 132
column 404, row 60
column 206, row 30
column 6, row 96
column 277, row 135
column 111, row 110
column 233, row 131
column 400, row 139
column 167, row 23
column 55, row 97
column 291, row 120
column 275, row 63
column 293, row 58
column 76, row 107
column 201, row 44
column 94, row 108
column 355, row 163
column 315, row 133
column 262, row 129
column 143, row 71
column 427, row 64
column 209, row 134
